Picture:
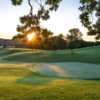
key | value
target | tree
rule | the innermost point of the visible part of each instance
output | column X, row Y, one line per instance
column 73, row 37
column 90, row 16
column 45, row 36
column 18, row 37
column 74, row 34
column 39, row 10
column 57, row 42
column 40, row 41
column 31, row 21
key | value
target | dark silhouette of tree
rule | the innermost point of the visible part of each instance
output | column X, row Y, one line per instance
column 74, row 34
column 61, row 35
column 18, row 37
column 45, row 40
column 31, row 22
column 73, row 37
column 45, row 36
column 58, row 42
column 90, row 16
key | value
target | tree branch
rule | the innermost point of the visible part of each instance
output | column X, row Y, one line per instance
column 31, row 7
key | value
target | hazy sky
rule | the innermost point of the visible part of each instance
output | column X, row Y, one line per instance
column 61, row 21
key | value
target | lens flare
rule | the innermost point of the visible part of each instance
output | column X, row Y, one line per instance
column 30, row 36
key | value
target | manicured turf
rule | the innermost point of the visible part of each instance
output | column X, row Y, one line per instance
column 86, row 55
column 70, row 70
column 22, row 84
column 47, row 75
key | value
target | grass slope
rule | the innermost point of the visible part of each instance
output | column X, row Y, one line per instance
column 86, row 55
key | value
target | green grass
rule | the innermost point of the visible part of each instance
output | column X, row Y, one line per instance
column 70, row 70
column 87, row 55
column 34, row 79
column 19, row 82
column 22, row 84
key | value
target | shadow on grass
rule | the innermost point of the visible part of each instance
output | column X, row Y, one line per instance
column 37, row 79
column 34, row 79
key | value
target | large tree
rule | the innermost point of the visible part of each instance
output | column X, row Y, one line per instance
column 90, row 16
column 39, row 10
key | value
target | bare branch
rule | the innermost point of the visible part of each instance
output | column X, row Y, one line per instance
column 31, row 7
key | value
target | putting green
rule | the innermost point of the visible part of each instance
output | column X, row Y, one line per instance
column 69, row 70
column 63, row 69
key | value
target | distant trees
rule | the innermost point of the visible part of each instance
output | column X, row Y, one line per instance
column 74, row 34
column 43, row 40
column 47, row 41
column 18, row 37
column 58, row 42
column 73, row 37
column 45, row 37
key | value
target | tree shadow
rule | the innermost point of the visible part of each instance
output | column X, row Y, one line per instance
column 35, row 79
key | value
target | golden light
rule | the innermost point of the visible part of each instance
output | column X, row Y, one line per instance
column 30, row 36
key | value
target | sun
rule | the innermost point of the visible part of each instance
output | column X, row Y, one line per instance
column 30, row 36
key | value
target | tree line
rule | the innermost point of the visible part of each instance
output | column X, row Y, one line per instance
column 47, row 41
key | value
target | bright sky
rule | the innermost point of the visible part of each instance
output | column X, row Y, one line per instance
column 61, row 21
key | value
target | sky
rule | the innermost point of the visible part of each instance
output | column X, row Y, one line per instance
column 65, row 18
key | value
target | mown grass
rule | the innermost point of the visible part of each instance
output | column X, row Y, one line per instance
column 21, row 84
column 72, row 70
column 34, row 79
column 87, row 55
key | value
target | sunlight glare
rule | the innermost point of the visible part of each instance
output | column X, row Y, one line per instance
column 30, row 36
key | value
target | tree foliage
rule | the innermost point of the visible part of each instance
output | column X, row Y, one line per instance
column 90, row 16
column 45, row 40
column 74, row 34
column 18, row 37
column 31, row 21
